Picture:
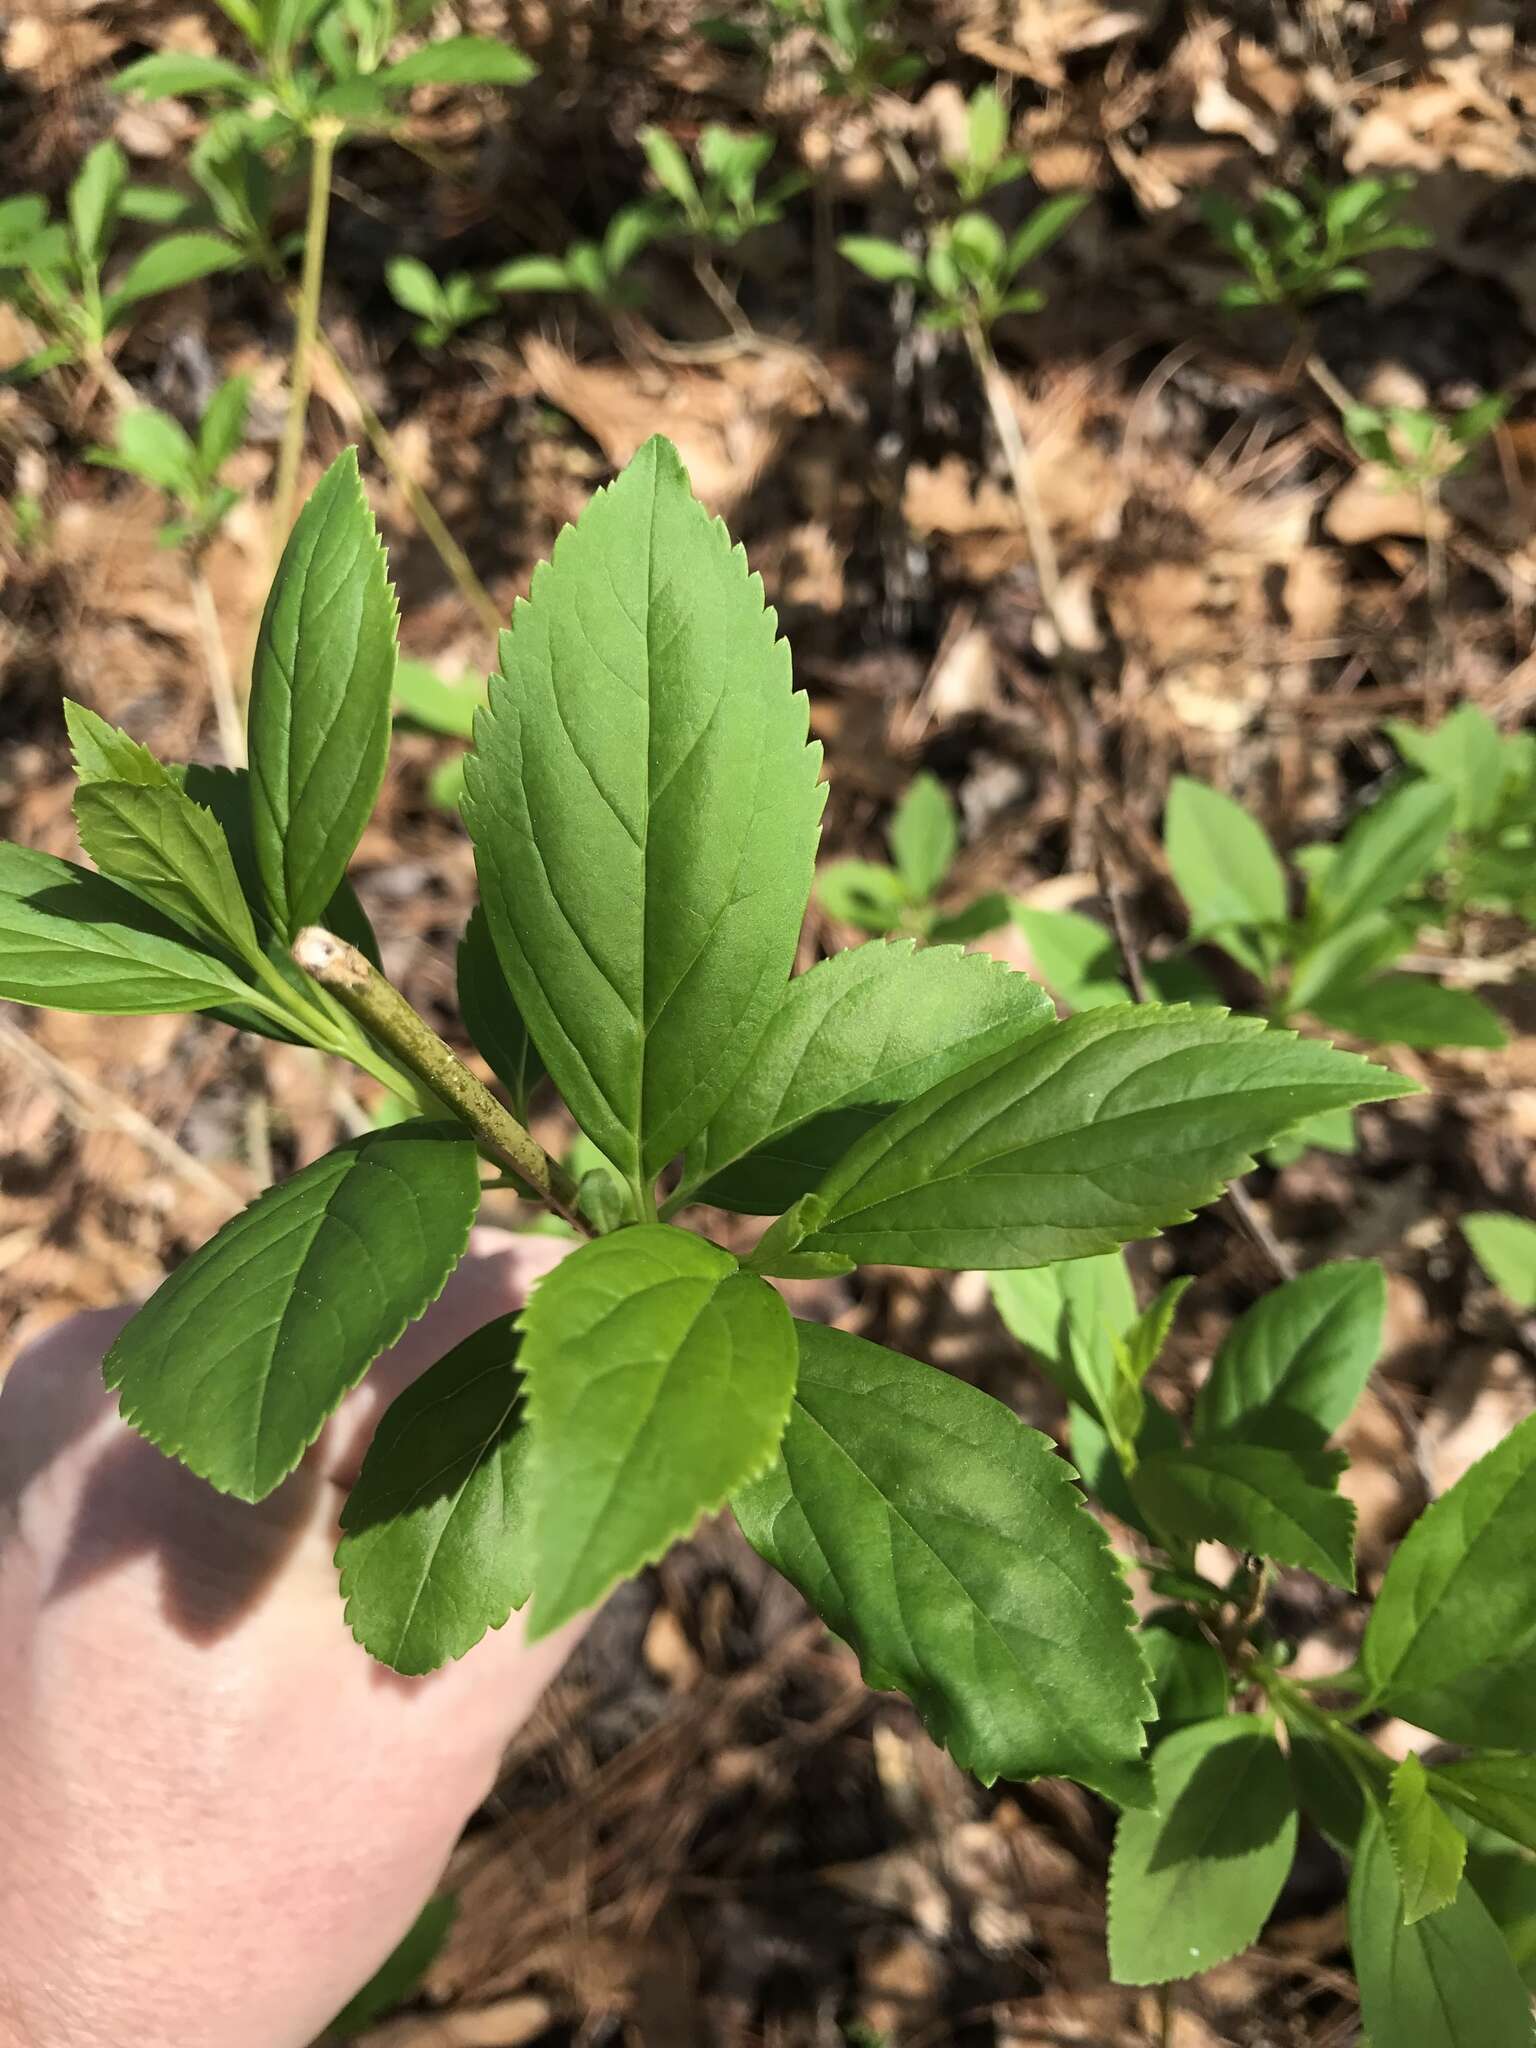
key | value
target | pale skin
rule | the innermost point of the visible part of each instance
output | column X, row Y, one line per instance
column 217, row 1813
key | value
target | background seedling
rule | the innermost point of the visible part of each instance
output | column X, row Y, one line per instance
column 444, row 305
column 1295, row 249
column 924, row 835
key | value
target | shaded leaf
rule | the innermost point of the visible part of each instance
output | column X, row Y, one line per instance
column 236, row 1360
column 1293, row 1366
column 490, row 1015
column 1505, row 1247
column 1428, row 1850
column 1254, row 1499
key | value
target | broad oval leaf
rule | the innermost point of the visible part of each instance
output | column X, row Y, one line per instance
column 165, row 265
column 1429, row 1851
column 1254, row 1499
column 321, row 686
column 1445, row 1982
column 1226, row 869
column 946, row 1542
column 435, row 1545
column 75, row 941
column 236, row 1360
column 659, row 1377
column 924, row 836
column 1293, row 1366
column 1451, row 1642
column 461, row 60
column 1108, row 1127
column 860, row 1033
column 644, row 808
column 1189, row 1676
column 1505, row 1248
column 1192, row 1881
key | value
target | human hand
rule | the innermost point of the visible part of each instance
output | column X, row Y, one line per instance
column 220, row 1814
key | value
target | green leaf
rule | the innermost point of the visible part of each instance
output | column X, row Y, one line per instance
column 222, row 428
column 1189, row 1678
column 167, row 264
column 1451, row 1642
column 440, row 703
column 1445, row 1982
column 860, row 1033
column 886, row 262
column 1505, row 1247
column 864, row 893
column 532, row 274
column 1055, row 1310
column 1192, row 1882
column 1105, row 1128
column 644, row 807
column 1253, row 1498
column 946, row 1543
column 1074, row 955
column 175, row 74
column 1046, row 224
column 152, row 445
column 1293, row 1366
column 659, row 1378
column 1464, row 753
column 414, row 286
column 93, row 201
column 490, row 1016
column 1428, row 1850
column 974, row 920
column 924, row 835
column 435, row 1533
column 1384, row 853
column 461, row 60
column 1499, row 1791
column 72, row 940
column 670, row 168
column 402, row 1970
column 1408, row 1009
column 321, row 684
column 235, row 1361
column 1226, row 870
column 170, row 851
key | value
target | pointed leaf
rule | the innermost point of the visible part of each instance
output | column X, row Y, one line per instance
column 659, row 1377
column 1255, row 1499
column 167, row 264
column 1189, row 1677
column 1428, row 1850
column 435, row 1546
column 643, row 805
column 74, row 941
column 1192, row 1882
column 1092, row 1132
column 886, row 262
column 1074, row 955
column 461, row 60
column 1444, row 1982
column 1293, row 1366
column 946, row 1542
column 1384, row 852
column 320, row 693
column 93, row 201
column 860, row 1033
column 924, row 835
column 173, row 74
column 235, row 1361
column 1226, row 869
column 1505, row 1247
column 1451, row 1642
column 1409, row 1009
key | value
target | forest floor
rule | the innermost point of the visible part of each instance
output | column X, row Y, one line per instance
column 712, row 1833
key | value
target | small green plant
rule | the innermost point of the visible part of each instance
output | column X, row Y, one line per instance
column 1505, row 1247
column 924, row 835
column 1419, row 448
column 720, row 205
column 1366, row 901
column 319, row 71
column 442, row 304
column 157, row 449
column 969, row 276
column 985, row 162
column 858, row 43
column 54, row 271
column 1488, row 860
column 1294, row 250
column 1450, row 1646
column 596, row 270
column 644, row 805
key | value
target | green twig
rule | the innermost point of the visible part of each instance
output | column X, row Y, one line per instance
column 382, row 1010
column 324, row 136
